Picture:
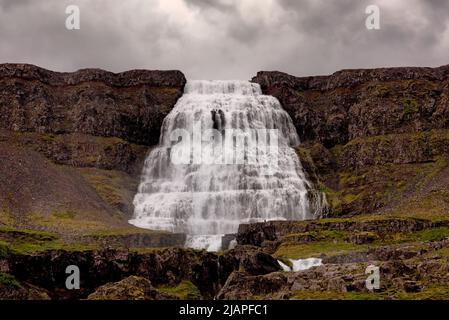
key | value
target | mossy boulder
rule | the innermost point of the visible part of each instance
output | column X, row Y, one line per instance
column 131, row 288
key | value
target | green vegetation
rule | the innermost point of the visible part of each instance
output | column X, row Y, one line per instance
column 64, row 214
column 332, row 295
column 31, row 241
column 49, row 137
column 69, row 222
column 9, row 281
column 436, row 234
column 381, row 90
column 122, row 232
column 186, row 290
column 4, row 249
column 114, row 187
column 25, row 235
column 6, row 217
column 315, row 249
column 325, row 239
column 433, row 292
column 410, row 106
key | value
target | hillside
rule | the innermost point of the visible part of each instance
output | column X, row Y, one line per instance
column 72, row 147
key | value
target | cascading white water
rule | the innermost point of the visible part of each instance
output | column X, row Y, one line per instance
column 207, row 196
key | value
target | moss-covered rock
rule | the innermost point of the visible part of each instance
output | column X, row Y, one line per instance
column 131, row 288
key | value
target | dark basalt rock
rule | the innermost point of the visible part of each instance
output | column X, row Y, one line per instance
column 129, row 105
column 356, row 103
column 257, row 233
column 131, row 288
column 247, row 258
column 107, row 272
column 162, row 267
column 138, row 240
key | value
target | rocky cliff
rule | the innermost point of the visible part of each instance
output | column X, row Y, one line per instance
column 349, row 104
column 129, row 105
column 72, row 147
column 71, row 150
column 372, row 140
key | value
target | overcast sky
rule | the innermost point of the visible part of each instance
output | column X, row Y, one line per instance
column 225, row 39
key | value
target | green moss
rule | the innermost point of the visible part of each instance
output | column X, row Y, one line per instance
column 186, row 290
column 108, row 185
column 410, row 106
column 4, row 249
column 350, row 198
column 64, row 214
column 26, row 235
column 332, row 295
column 122, row 232
column 32, row 241
column 433, row 292
column 381, row 90
column 315, row 249
column 436, row 234
column 80, row 223
column 49, row 137
column 9, row 281
column 444, row 253
column 333, row 234
column 6, row 217
column 300, row 93
column 292, row 236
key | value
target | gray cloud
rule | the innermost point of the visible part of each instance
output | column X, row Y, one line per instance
column 225, row 39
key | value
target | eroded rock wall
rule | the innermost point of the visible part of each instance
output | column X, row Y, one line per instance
column 372, row 139
column 357, row 103
column 129, row 105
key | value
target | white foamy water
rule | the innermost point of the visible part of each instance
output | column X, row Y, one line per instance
column 301, row 264
column 207, row 242
column 205, row 199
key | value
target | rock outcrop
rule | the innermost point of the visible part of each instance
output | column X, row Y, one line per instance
column 131, row 288
column 72, row 147
column 411, row 255
column 129, row 105
column 349, row 104
column 257, row 233
column 124, row 274
column 371, row 138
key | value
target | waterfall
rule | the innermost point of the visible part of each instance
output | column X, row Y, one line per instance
column 225, row 157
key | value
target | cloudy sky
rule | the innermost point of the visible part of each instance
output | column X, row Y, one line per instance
column 225, row 39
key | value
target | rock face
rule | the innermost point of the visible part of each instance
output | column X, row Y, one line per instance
column 371, row 139
column 129, row 105
column 257, row 233
column 97, row 268
column 131, row 288
column 123, row 274
column 72, row 145
column 375, row 141
column 348, row 104
column 411, row 255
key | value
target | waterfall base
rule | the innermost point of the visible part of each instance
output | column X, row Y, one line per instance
column 211, row 243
